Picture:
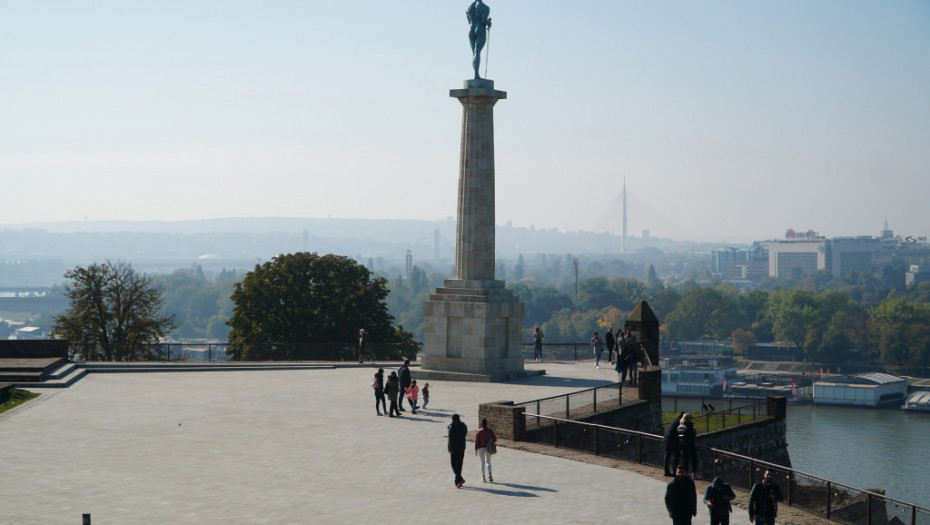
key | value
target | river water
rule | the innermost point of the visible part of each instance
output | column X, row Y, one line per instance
column 863, row 448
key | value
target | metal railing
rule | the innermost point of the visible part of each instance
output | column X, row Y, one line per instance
column 577, row 404
column 829, row 499
column 210, row 352
column 741, row 414
column 570, row 352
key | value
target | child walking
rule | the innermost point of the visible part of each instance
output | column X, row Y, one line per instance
column 425, row 393
column 413, row 392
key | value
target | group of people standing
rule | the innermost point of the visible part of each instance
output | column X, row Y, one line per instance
column 399, row 385
column 622, row 351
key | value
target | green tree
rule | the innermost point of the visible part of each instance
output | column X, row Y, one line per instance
column 114, row 313
column 542, row 302
column 593, row 294
column 903, row 331
column 742, row 340
column 308, row 298
column 698, row 312
column 626, row 293
column 664, row 302
column 793, row 315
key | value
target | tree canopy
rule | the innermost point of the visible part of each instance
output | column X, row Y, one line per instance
column 309, row 298
column 113, row 314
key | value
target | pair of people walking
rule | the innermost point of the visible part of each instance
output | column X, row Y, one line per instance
column 681, row 500
column 391, row 389
column 485, row 447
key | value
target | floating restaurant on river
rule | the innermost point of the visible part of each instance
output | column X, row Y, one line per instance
column 871, row 390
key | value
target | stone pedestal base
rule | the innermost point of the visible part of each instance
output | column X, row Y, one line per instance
column 473, row 331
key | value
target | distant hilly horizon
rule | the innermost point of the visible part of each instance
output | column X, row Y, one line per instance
column 36, row 254
column 264, row 237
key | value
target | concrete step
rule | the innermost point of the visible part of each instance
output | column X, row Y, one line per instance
column 61, row 378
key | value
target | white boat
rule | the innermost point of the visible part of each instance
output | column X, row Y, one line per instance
column 918, row 402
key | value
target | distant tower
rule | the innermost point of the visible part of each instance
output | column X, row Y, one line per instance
column 886, row 231
column 436, row 243
column 409, row 264
column 623, row 246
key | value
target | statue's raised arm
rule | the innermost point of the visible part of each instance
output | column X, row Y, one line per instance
column 480, row 21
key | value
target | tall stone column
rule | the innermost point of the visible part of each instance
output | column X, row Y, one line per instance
column 474, row 242
column 473, row 325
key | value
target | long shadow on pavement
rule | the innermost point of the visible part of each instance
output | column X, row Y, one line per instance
column 519, row 494
column 526, row 487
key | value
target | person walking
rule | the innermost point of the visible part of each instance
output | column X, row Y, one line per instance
column 624, row 357
column 391, row 390
column 717, row 497
column 681, row 498
column 598, row 346
column 537, row 344
column 672, row 451
column 413, row 392
column 611, row 343
column 425, row 393
column 482, row 439
column 403, row 374
column 456, row 433
column 763, row 500
column 687, row 438
column 378, row 384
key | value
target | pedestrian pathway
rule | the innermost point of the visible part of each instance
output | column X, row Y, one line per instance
column 291, row 446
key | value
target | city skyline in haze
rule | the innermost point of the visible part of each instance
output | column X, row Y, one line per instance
column 730, row 121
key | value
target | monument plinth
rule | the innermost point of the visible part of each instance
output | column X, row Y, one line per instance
column 473, row 325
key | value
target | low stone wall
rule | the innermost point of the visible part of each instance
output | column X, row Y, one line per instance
column 506, row 419
column 765, row 440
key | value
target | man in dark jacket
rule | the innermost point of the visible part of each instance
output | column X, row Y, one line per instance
column 717, row 497
column 681, row 498
column 687, row 440
column 457, row 432
column 763, row 500
column 671, row 446
column 403, row 373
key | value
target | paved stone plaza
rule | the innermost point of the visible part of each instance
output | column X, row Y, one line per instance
column 290, row 447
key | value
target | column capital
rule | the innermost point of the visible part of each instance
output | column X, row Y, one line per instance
column 479, row 87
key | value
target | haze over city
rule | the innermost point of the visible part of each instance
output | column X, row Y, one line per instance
column 730, row 120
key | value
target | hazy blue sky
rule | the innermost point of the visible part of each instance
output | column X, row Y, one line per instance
column 730, row 119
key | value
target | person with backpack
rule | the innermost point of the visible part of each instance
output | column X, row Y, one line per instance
column 378, row 385
column 485, row 448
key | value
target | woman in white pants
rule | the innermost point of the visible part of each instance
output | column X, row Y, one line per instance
column 482, row 438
